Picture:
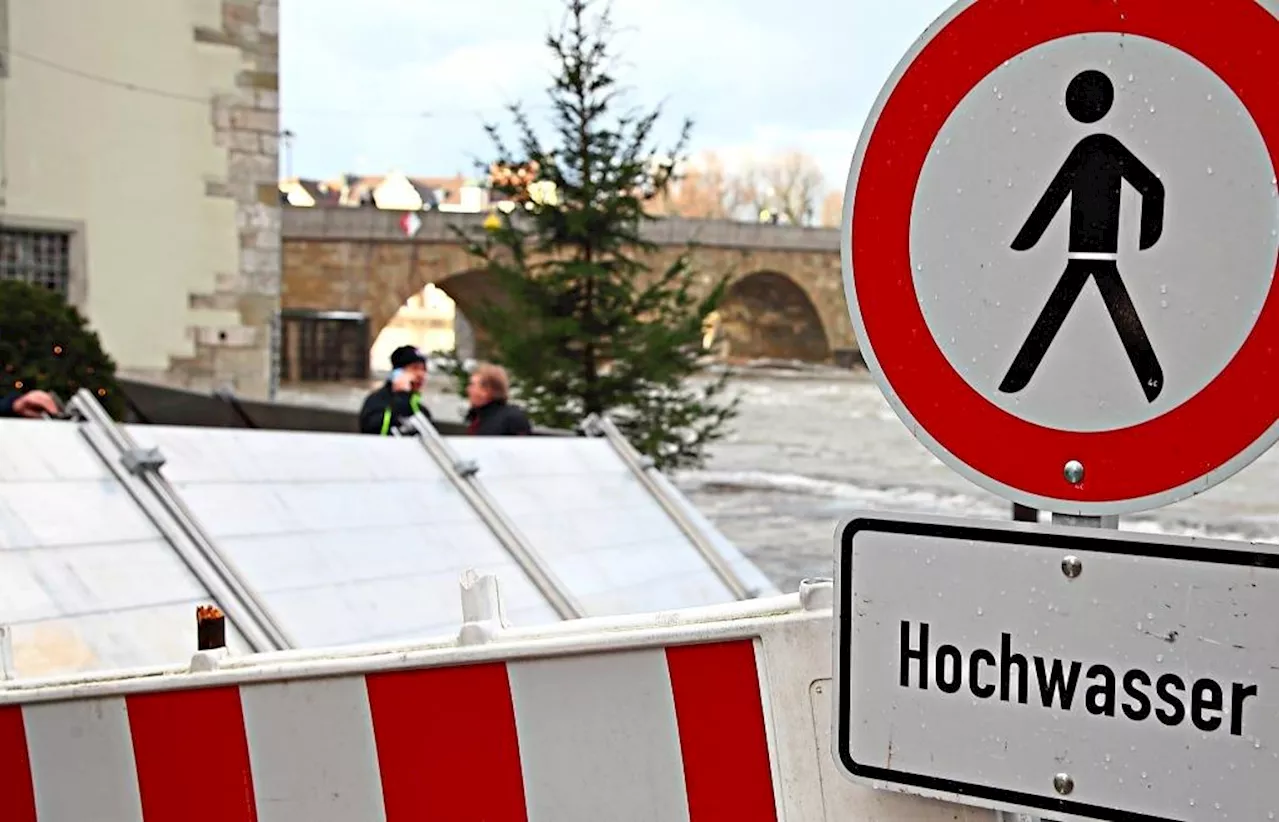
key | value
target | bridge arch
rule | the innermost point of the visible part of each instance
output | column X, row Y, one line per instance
column 436, row 312
column 768, row 315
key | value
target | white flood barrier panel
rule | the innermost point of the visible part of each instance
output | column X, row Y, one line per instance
column 596, row 525
column 347, row 538
column 1074, row 672
column 87, row 581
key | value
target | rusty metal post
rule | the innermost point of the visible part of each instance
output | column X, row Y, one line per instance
column 1024, row 513
column 211, row 628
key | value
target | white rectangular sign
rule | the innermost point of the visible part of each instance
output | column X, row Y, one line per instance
column 1067, row 672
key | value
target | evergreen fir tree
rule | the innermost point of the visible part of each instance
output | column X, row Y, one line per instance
column 582, row 324
column 46, row 344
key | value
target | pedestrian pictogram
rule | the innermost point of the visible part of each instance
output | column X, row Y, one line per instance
column 1091, row 177
column 1061, row 253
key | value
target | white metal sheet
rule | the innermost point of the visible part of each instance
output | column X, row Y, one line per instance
column 348, row 538
column 952, row 634
column 595, row 524
column 87, row 582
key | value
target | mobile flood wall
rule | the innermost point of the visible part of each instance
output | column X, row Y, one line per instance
column 111, row 535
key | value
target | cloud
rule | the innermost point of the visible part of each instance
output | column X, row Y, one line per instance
column 409, row 83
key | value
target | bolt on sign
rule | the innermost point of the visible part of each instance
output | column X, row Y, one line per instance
column 1060, row 259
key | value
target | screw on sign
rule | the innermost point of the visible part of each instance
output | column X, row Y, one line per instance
column 1061, row 252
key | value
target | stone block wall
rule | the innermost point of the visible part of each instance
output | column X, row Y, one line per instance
column 245, row 122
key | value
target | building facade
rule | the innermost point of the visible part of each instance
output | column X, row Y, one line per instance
column 138, row 175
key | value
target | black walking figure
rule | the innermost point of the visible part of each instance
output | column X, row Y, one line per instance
column 1092, row 175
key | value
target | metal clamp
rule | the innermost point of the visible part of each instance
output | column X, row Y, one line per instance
column 597, row 425
column 138, row 460
column 466, row 468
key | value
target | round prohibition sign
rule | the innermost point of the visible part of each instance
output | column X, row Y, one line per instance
column 1174, row 445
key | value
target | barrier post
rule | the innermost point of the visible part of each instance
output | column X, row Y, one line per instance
column 7, row 668
column 482, row 614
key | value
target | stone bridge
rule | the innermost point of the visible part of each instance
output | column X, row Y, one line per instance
column 785, row 297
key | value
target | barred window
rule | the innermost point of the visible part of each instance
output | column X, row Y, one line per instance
column 36, row 257
column 324, row 346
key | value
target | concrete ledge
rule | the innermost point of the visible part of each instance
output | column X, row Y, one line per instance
column 365, row 224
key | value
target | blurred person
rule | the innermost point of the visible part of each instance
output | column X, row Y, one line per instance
column 399, row 397
column 490, row 414
column 29, row 404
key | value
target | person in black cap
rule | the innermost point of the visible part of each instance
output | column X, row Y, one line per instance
column 399, row 397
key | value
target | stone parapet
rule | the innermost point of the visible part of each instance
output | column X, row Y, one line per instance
column 374, row 224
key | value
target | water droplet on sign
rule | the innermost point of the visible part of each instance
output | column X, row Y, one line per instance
column 1209, row 169
column 1164, row 303
column 1159, row 657
column 1013, row 130
column 1208, row 97
column 1152, row 109
column 979, row 612
column 1130, row 78
column 1164, row 289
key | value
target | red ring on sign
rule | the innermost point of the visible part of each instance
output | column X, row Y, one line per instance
column 1237, row 40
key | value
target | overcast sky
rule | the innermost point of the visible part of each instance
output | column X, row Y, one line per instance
column 369, row 86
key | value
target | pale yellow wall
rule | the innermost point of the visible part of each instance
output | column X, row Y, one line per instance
column 130, row 166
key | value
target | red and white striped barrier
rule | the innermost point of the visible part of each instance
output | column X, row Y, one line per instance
column 714, row 713
column 668, row 733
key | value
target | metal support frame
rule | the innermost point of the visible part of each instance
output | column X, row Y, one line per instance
column 640, row 466
column 1022, row 513
column 463, row 475
column 138, row 470
column 1080, row 521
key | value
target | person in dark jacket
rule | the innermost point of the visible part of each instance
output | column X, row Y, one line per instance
column 490, row 414
column 399, row 397
column 31, row 404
